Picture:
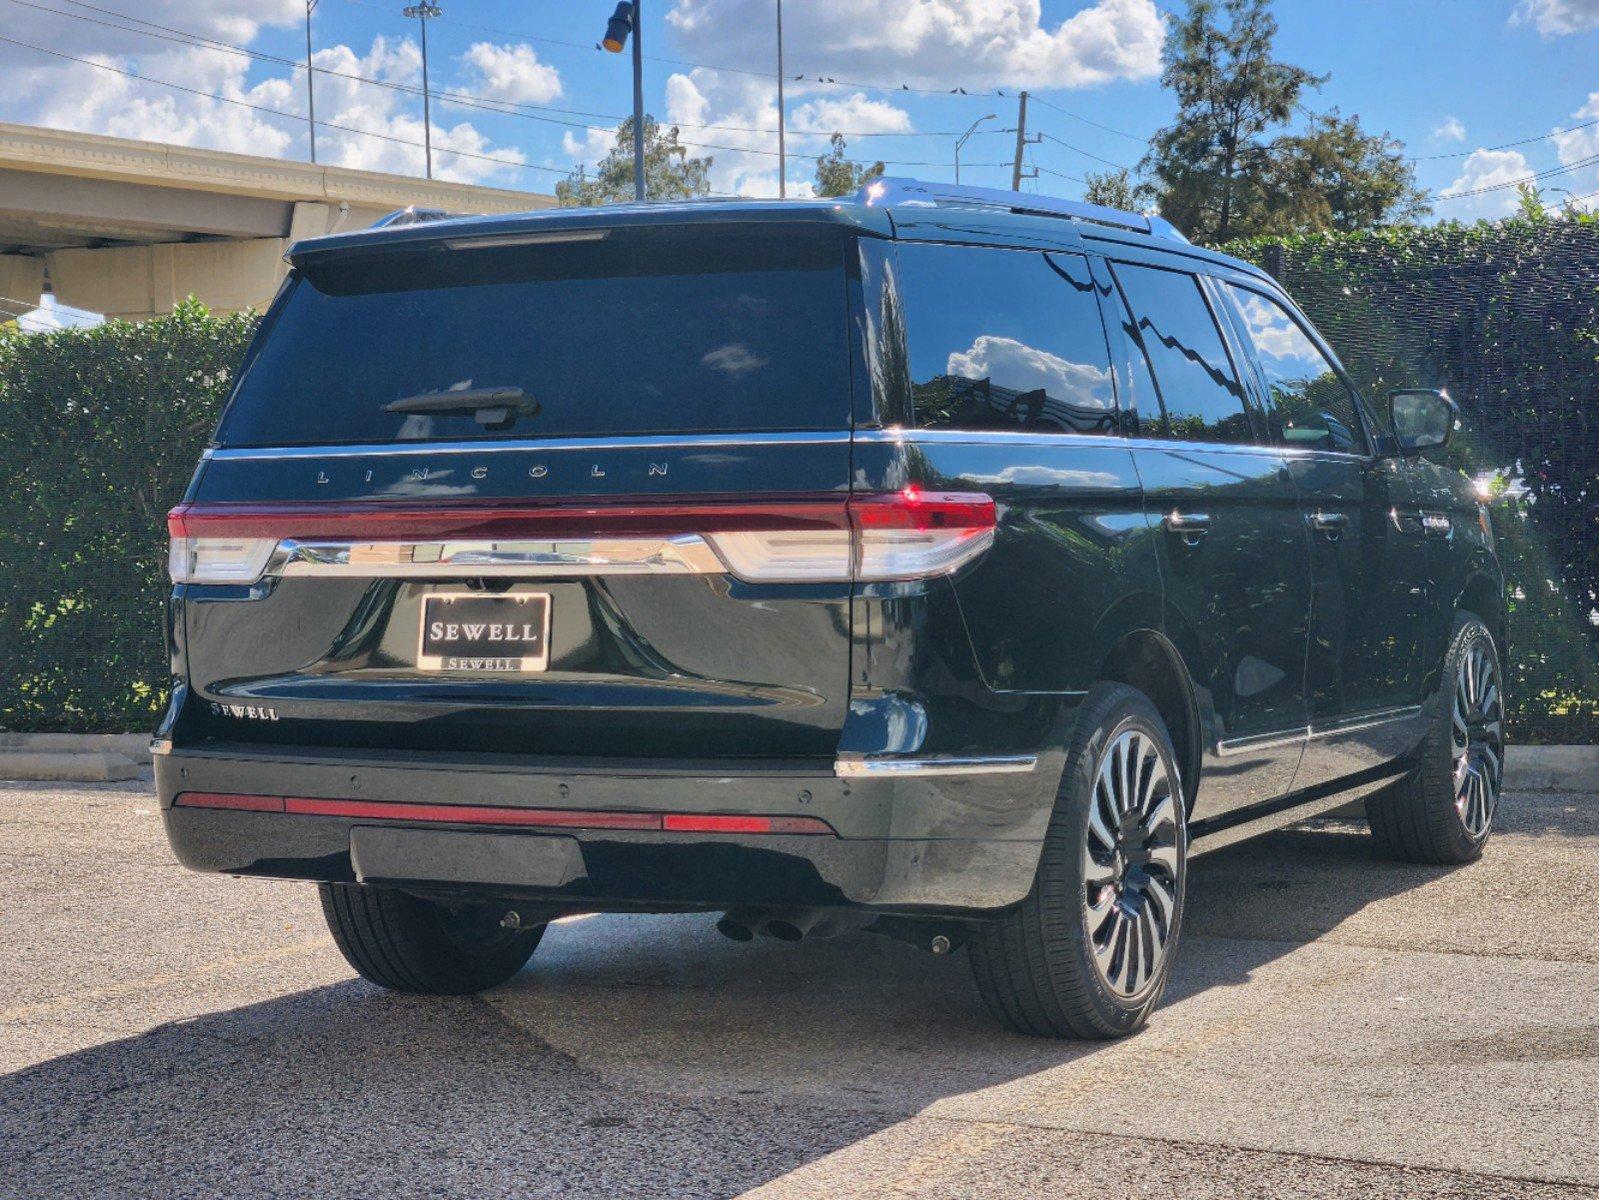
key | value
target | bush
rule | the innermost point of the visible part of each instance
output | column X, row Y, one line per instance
column 101, row 429
column 1506, row 316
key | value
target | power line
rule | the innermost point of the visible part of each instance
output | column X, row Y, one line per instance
column 1132, row 137
column 510, row 108
column 1527, row 141
column 1085, row 153
column 1510, row 183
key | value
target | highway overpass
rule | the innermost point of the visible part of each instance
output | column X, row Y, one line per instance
column 131, row 228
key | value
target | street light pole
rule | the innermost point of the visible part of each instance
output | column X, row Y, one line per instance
column 422, row 12
column 625, row 21
column 782, row 155
column 310, row 79
column 639, row 191
column 961, row 141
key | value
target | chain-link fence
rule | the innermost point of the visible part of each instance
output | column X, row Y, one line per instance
column 1506, row 317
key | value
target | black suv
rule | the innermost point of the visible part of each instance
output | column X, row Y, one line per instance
column 948, row 562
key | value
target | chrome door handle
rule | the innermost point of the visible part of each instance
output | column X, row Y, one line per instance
column 1331, row 523
column 1188, row 526
column 1436, row 524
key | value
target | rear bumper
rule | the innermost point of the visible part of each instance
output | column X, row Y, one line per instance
column 956, row 843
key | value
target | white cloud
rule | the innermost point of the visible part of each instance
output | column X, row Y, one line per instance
column 936, row 43
column 1486, row 168
column 1556, row 18
column 80, row 96
column 512, row 73
column 853, row 113
column 1450, row 131
column 1577, row 146
column 1025, row 368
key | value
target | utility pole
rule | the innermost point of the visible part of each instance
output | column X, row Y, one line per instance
column 782, row 155
column 422, row 12
column 1021, row 141
column 310, row 80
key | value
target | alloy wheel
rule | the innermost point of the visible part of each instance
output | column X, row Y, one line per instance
column 1131, row 863
column 1478, row 740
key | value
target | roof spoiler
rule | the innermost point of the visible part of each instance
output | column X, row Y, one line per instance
column 916, row 193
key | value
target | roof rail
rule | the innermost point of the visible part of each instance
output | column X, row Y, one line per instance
column 411, row 215
column 914, row 192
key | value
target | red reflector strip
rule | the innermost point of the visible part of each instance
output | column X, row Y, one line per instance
column 477, row 814
column 915, row 509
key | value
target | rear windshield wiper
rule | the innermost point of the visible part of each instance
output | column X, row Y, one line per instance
column 492, row 406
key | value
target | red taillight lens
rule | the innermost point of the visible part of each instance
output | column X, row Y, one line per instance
column 915, row 535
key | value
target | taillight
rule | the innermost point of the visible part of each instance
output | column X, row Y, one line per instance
column 214, row 557
column 902, row 535
column 916, row 535
column 909, row 534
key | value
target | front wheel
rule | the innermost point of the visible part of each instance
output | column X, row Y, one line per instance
column 407, row 944
column 1088, row 953
column 1443, row 811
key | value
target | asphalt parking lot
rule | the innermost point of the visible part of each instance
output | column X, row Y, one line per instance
column 1338, row 1026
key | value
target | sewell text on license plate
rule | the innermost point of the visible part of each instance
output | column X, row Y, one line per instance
column 470, row 631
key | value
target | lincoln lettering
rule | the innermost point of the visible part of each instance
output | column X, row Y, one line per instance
column 442, row 631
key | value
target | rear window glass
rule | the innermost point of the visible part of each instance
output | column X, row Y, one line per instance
column 641, row 332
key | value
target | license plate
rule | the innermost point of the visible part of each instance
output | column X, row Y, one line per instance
column 468, row 631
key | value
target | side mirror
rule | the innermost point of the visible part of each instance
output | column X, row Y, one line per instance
column 1422, row 418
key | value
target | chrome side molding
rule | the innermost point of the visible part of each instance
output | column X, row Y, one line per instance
column 899, row 768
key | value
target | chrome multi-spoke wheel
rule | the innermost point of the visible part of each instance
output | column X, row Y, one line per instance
column 1130, row 863
column 1477, row 738
column 1088, row 952
column 1442, row 810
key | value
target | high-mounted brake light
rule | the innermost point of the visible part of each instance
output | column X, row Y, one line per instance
column 902, row 535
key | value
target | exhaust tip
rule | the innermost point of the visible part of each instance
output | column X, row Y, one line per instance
column 731, row 928
column 785, row 931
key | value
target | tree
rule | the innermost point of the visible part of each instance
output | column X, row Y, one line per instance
column 837, row 175
column 669, row 172
column 1336, row 176
column 1209, row 166
column 1113, row 189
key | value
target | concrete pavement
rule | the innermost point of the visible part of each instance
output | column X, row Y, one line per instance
column 1339, row 1026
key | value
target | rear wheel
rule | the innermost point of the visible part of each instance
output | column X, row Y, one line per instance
column 1443, row 811
column 407, row 944
column 1089, row 952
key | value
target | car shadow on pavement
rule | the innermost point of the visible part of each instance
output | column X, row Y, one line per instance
column 636, row 1056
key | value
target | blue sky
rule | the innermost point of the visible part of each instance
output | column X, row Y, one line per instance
column 1453, row 79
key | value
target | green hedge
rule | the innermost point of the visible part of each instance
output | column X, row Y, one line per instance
column 100, row 430
column 1506, row 316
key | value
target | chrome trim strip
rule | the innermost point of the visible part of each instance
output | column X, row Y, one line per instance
column 996, row 437
column 1265, row 741
column 1366, row 721
column 1309, row 733
column 488, row 446
column 683, row 554
column 900, row 768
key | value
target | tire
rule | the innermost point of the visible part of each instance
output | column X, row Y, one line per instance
column 1443, row 811
column 1059, row 965
column 407, row 944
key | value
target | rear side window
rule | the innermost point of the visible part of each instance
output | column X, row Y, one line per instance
column 642, row 331
column 1005, row 340
column 1199, row 389
column 1312, row 402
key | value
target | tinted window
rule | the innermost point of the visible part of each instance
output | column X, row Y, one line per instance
column 1311, row 401
column 1198, row 387
column 1003, row 339
column 637, row 333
